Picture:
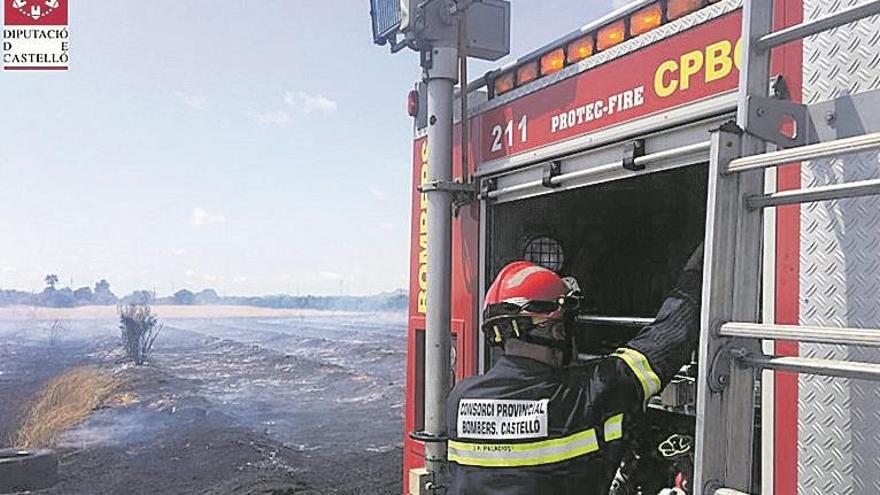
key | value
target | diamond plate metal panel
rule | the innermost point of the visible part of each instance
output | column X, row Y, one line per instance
column 838, row 445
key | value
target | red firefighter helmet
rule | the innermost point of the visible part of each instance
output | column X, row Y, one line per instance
column 526, row 289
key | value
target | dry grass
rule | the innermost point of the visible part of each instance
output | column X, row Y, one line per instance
column 64, row 401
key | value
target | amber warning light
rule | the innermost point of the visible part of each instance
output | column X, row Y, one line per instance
column 504, row 83
column 527, row 73
column 611, row 35
column 553, row 62
column 645, row 20
column 679, row 8
column 580, row 49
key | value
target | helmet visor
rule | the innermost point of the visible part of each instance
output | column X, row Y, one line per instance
column 508, row 308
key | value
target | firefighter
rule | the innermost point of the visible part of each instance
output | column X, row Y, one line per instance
column 533, row 424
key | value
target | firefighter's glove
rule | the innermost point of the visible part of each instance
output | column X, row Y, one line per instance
column 690, row 282
column 695, row 262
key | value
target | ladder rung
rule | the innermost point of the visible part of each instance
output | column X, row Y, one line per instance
column 809, row 152
column 824, row 367
column 822, row 193
column 820, row 335
column 628, row 321
column 729, row 491
column 800, row 31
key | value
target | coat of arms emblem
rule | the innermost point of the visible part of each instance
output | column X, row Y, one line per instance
column 36, row 9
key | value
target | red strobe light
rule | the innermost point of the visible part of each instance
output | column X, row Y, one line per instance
column 412, row 103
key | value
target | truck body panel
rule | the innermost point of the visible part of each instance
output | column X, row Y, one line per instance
column 824, row 255
column 839, row 273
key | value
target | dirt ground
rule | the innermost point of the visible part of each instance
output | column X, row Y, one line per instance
column 217, row 459
column 188, row 448
column 228, row 410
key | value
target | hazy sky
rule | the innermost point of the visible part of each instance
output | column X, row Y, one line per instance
column 254, row 146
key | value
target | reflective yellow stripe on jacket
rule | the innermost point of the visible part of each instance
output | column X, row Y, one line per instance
column 639, row 365
column 614, row 428
column 523, row 454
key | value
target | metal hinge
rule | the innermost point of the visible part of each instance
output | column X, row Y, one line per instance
column 729, row 126
column 487, row 186
column 448, row 186
column 462, row 193
column 551, row 170
column 631, row 151
column 768, row 116
column 722, row 364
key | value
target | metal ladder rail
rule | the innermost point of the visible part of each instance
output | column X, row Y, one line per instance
column 730, row 352
column 734, row 355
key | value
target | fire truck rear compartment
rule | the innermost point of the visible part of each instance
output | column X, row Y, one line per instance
column 624, row 241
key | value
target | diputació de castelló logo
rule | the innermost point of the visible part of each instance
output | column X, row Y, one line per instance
column 36, row 35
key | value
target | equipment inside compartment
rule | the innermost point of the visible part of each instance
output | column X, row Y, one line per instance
column 624, row 241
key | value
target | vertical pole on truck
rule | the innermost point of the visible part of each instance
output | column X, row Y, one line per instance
column 435, row 29
column 440, row 65
column 463, row 97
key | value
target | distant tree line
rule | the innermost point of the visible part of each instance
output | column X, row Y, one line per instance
column 394, row 301
column 388, row 301
column 65, row 297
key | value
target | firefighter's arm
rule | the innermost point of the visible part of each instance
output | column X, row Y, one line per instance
column 663, row 347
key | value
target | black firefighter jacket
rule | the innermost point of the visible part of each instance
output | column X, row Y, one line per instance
column 527, row 428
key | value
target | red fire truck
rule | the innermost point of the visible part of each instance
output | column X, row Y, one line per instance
column 604, row 156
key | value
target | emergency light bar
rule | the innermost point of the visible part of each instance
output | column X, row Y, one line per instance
column 596, row 40
column 386, row 15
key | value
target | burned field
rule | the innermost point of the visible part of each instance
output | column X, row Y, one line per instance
column 309, row 404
